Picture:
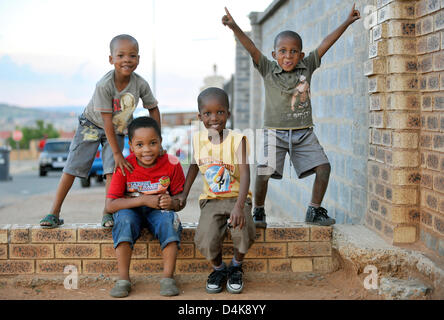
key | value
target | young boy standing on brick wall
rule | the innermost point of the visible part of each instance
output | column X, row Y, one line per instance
column 104, row 121
column 288, row 116
column 221, row 156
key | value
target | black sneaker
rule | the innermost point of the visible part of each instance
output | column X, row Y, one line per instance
column 318, row 216
column 234, row 282
column 259, row 217
column 216, row 279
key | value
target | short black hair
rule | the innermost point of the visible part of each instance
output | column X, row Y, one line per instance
column 288, row 34
column 143, row 122
column 213, row 92
column 112, row 44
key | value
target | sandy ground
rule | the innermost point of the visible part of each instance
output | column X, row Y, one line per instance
column 335, row 286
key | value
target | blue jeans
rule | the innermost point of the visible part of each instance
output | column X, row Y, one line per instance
column 164, row 225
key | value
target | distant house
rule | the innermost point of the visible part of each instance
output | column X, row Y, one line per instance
column 4, row 135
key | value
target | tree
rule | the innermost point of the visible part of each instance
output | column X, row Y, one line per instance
column 31, row 133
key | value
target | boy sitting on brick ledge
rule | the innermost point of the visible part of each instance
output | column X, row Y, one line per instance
column 142, row 197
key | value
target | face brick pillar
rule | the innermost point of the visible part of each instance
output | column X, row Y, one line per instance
column 394, row 124
column 430, row 50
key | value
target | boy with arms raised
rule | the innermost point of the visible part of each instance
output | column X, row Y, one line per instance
column 104, row 121
column 221, row 156
column 288, row 116
column 143, row 198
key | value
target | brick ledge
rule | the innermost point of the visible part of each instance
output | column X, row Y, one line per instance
column 279, row 249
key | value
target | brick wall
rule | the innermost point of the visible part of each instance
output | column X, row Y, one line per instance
column 278, row 249
column 430, row 54
column 406, row 184
column 241, row 103
column 339, row 100
column 394, row 126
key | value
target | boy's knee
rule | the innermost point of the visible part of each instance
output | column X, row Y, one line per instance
column 124, row 217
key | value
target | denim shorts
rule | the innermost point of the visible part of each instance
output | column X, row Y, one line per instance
column 164, row 225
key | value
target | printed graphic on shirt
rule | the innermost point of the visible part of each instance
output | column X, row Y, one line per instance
column 148, row 187
column 127, row 105
column 218, row 179
column 301, row 95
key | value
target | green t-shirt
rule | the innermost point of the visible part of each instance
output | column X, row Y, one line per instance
column 287, row 94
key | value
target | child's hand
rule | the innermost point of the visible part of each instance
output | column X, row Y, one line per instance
column 151, row 200
column 120, row 162
column 237, row 217
column 353, row 16
column 165, row 201
column 227, row 20
column 182, row 200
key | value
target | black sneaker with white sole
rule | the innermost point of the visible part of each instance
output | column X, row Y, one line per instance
column 216, row 280
column 234, row 282
column 259, row 217
column 318, row 216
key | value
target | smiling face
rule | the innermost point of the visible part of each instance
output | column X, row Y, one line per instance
column 214, row 114
column 146, row 144
column 125, row 57
column 288, row 53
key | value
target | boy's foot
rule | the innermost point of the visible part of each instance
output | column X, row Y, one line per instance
column 259, row 217
column 216, row 280
column 107, row 220
column 121, row 289
column 234, row 282
column 168, row 287
column 51, row 221
column 318, row 216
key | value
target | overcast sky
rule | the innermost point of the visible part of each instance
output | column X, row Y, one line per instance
column 52, row 52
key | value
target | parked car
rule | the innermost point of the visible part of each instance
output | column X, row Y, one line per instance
column 53, row 156
column 97, row 166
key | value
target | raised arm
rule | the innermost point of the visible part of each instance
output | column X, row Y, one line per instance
column 332, row 37
column 227, row 20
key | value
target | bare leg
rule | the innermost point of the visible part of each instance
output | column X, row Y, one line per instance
column 123, row 254
column 63, row 188
column 169, row 254
column 238, row 256
column 320, row 184
column 260, row 190
column 218, row 260
column 107, row 184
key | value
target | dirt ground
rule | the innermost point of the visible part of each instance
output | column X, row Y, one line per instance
column 335, row 286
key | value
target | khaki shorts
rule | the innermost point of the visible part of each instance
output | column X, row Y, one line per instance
column 212, row 227
column 302, row 145
column 83, row 149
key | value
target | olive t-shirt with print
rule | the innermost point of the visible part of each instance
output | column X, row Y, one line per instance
column 287, row 94
column 108, row 99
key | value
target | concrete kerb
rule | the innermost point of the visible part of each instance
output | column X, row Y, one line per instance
column 356, row 247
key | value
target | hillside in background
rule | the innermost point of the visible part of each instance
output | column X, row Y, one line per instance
column 61, row 118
